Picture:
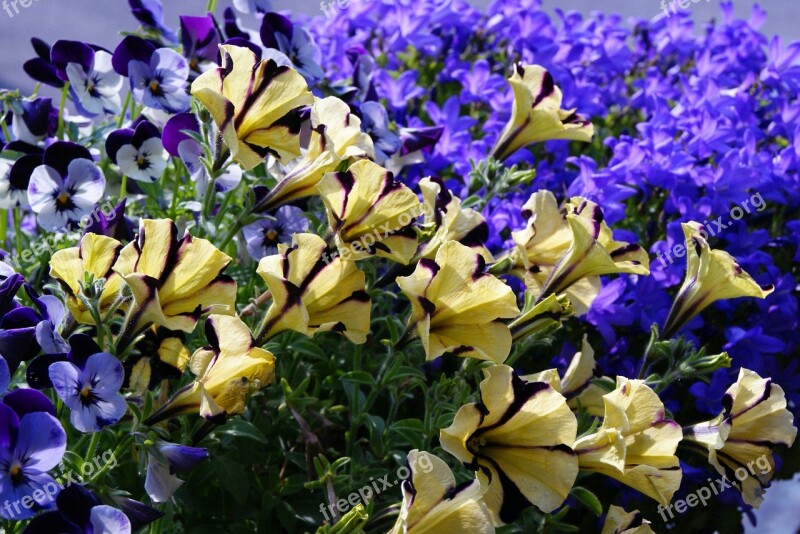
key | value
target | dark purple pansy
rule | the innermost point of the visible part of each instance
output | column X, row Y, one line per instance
column 416, row 139
column 375, row 122
column 14, row 181
column 200, row 41
column 80, row 347
column 18, row 323
column 94, row 85
column 34, row 120
column 163, row 462
column 151, row 14
column 80, row 511
column 65, row 52
column 296, row 43
column 231, row 26
column 174, row 135
column 113, row 223
column 31, row 444
column 41, row 68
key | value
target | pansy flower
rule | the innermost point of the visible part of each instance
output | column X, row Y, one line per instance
column 15, row 177
column 163, row 461
column 226, row 371
column 295, row 42
column 518, row 440
column 96, row 255
column 254, row 105
column 336, row 137
column 200, row 41
column 31, row 443
column 451, row 222
column 252, row 7
column 371, row 213
column 456, row 306
column 139, row 153
column 618, row 521
column 91, row 391
column 537, row 115
column 414, row 144
column 635, row 443
column 80, row 511
column 151, row 14
column 434, row 503
column 711, row 275
column 93, row 83
column 754, row 420
column 174, row 280
column 312, row 292
column 34, row 120
column 112, row 223
column 160, row 83
column 263, row 236
column 66, row 186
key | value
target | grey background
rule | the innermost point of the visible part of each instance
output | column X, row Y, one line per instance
column 98, row 21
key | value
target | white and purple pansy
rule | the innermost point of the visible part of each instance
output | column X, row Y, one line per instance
column 252, row 7
column 91, row 391
column 32, row 442
column 94, row 85
column 163, row 461
column 264, row 236
column 138, row 153
column 200, row 41
column 66, row 186
column 41, row 67
column 16, row 175
column 34, row 120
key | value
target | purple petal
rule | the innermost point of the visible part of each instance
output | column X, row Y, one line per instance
column 65, row 52
column 182, row 458
column 66, row 380
column 9, row 423
column 61, row 153
column 105, row 371
column 200, row 39
column 25, row 401
column 45, row 184
column 86, row 180
column 5, row 375
column 173, row 131
column 273, row 23
column 108, row 520
column 41, row 440
column 129, row 49
column 144, row 130
column 116, row 140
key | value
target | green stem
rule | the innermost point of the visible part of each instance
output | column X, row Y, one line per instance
column 231, row 234
column 4, row 226
column 211, row 6
column 125, row 106
column 92, row 448
column 4, row 126
column 64, row 93
column 123, row 188
column 18, row 229
column 126, row 441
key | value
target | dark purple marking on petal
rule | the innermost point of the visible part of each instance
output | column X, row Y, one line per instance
column 61, row 153
column 116, row 140
column 132, row 48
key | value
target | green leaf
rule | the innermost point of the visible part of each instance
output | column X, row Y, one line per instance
column 588, row 499
column 241, row 428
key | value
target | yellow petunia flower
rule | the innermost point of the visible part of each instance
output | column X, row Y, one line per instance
column 174, row 280
column 711, row 275
column 336, row 137
column 518, row 440
column 592, row 251
column 740, row 440
column 635, row 444
column 254, row 104
column 618, row 521
column 433, row 503
column 95, row 255
column 371, row 213
column 536, row 114
column 226, row 371
column 312, row 292
column 455, row 305
column 450, row 222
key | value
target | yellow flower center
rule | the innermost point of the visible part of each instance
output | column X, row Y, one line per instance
column 141, row 161
column 154, row 87
column 63, row 198
column 272, row 234
column 86, row 391
column 15, row 470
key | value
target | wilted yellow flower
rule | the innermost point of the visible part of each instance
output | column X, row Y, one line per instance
column 741, row 438
column 518, row 440
column 95, row 255
column 537, row 115
column 618, row 521
column 227, row 370
column 592, row 251
column 371, row 213
column 635, row 444
column 456, row 304
column 174, row 280
column 711, row 275
column 336, row 136
column 312, row 292
column 433, row 503
column 450, row 222
column 254, row 104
